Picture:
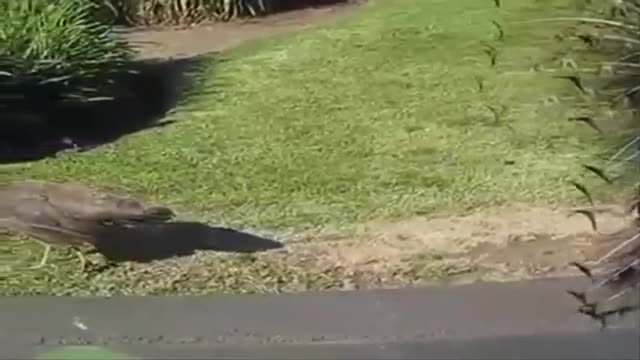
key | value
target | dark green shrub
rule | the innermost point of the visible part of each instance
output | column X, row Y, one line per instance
column 150, row 12
column 147, row 12
column 55, row 53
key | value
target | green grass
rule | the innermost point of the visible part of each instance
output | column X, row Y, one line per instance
column 378, row 117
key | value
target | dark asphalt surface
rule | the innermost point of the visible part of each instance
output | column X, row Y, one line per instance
column 533, row 319
column 615, row 344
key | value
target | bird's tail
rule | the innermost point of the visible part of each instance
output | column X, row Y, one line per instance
column 619, row 264
column 615, row 275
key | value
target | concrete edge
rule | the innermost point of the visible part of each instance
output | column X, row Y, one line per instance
column 412, row 314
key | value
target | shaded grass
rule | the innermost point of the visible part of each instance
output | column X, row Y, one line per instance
column 378, row 117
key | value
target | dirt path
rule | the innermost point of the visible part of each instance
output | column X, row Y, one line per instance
column 491, row 244
column 214, row 37
column 504, row 244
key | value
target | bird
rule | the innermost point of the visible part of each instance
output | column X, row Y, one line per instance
column 69, row 213
column 617, row 265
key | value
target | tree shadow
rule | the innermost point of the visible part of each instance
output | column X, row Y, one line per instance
column 147, row 243
column 280, row 6
column 153, row 88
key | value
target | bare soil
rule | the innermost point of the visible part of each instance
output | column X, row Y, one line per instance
column 495, row 244
column 214, row 37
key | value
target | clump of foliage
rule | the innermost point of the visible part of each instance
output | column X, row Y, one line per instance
column 614, row 33
column 611, row 34
column 150, row 12
column 53, row 53
column 153, row 12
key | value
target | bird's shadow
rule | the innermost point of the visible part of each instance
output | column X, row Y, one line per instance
column 147, row 243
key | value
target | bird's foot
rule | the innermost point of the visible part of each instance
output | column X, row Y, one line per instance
column 38, row 266
column 97, row 268
column 43, row 260
column 83, row 262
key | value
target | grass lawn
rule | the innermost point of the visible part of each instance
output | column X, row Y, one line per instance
column 377, row 117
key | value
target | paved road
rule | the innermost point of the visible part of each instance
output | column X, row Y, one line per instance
column 481, row 319
column 615, row 344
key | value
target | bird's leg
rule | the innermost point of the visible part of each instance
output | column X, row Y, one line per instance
column 83, row 259
column 45, row 256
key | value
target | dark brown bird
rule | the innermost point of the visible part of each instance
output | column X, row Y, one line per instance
column 69, row 213
column 583, row 190
column 615, row 273
column 576, row 81
column 587, row 120
column 599, row 173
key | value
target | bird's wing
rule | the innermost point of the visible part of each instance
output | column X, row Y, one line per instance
column 618, row 263
column 81, row 202
column 86, row 203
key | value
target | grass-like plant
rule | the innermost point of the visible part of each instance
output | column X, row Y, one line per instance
column 53, row 52
column 180, row 11
column 614, row 32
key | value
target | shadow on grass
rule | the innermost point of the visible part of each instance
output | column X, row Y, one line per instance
column 156, row 242
column 154, row 88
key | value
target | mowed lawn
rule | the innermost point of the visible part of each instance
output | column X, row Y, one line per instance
column 378, row 117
